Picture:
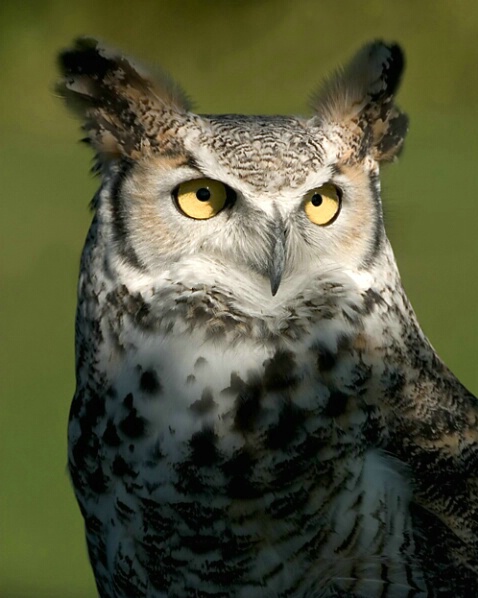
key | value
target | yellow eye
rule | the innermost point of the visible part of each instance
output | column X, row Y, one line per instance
column 202, row 198
column 322, row 205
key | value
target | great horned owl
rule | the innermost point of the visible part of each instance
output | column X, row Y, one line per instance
column 257, row 411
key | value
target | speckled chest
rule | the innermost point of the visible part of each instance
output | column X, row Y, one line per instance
column 243, row 460
column 237, row 445
column 165, row 401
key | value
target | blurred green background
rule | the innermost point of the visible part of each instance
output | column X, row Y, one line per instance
column 231, row 56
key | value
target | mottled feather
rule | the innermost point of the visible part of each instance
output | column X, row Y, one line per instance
column 257, row 411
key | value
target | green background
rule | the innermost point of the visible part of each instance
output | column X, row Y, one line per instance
column 231, row 56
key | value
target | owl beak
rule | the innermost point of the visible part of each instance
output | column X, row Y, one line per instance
column 277, row 260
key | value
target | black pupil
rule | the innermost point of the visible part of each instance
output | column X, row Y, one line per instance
column 203, row 194
column 316, row 199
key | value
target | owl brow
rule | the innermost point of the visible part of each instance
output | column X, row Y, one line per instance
column 180, row 160
column 335, row 170
column 191, row 162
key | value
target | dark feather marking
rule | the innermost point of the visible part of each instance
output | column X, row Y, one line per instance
column 352, row 536
column 201, row 543
column 289, row 504
column 85, row 450
column 84, row 59
column 96, row 550
column 154, row 520
column 125, row 579
column 161, row 566
column 77, row 404
column 97, row 481
column 200, row 363
column 248, row 401
column 220, row 573
column 123, row 511
column 238, row 546
column 196, row 515
column 239, row 470
column 128, row 401
column 133, row 425
column 393, row 382
column 378, row 233
column 205, row 404
column 336, row 404
column 94, row 410
column 121, row 469
column 119, row 211
column 190, row 480
column 287, row 427
column 392, row 71
column 360, row 374
column 326, row 359
column 110, row 435
column 371, row 300
column 241, row 463
column 203, row 447
column 279, row 371
column 149, row 383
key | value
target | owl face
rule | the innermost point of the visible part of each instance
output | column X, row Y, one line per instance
column 283, row 212
column 268, row 202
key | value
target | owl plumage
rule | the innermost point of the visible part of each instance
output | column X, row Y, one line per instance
column 257, row 410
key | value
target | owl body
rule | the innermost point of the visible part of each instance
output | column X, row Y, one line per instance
column 257, row 411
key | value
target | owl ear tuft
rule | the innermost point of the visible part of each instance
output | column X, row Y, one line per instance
column 124, row 110
column 360, row 100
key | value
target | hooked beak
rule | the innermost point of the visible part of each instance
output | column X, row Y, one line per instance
column 277, row 259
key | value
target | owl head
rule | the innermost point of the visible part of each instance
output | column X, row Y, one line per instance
column 264, row 203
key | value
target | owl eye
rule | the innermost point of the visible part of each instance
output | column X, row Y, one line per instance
column 202, row 198
column 322, row 204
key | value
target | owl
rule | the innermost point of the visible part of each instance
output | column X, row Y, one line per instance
column 257, row 411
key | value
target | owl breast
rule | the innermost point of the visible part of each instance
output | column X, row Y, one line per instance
column 227, row 449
